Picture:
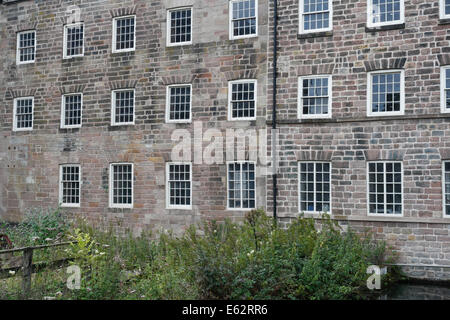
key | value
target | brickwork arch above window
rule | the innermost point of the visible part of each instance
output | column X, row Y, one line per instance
column 124, row 84
column 122, row 12
column 17, row 93
column 177, row 79
column 72, row 88
column 26, row 25
column 316, row 69
column 314, row 155
column 242, row 74
column 378, row 155
column 384, row 64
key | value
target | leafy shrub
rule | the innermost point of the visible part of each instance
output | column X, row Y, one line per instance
column 255, row 259
column 39, row 226
column 45, row 224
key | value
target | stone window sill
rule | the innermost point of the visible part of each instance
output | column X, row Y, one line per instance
column 315, row 35
column 384, row 28
column 444, row 21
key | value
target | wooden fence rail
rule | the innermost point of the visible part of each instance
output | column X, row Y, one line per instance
column 27, row 263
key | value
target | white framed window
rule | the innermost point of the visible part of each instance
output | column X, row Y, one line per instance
column 179, row 185
column 71, row 110
column 178, row 103
column 121, row 185
column 446, row 188
column 241, row 190
column 243, row 19
column 23, row 114
column 69, row 185
column 242, row 100
column 385, row 188
column 26, row 47
column 179, row 26
column 73, row 40
column 444, row 9
column 124, row 34
column 315, row 15
column 122, row 107
column 386, row 93
column 315, row 96
column 385, row 12
column 445, row 89
column 314, row 187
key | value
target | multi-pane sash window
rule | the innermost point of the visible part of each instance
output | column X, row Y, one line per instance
column 444, row 9
column 71, row 110
column 179, row 26
column 314, row 187
column 23, row 114
column 73, row 40
column 122, row 107
column 446, row 188
column 445, row 89
column 69, row 185
column 243, row 18
column 179, row 185
column 315, row 97
column 241, row 185
column 124, row 35
column 242, row 100
column 315, row 15
column 121, row 185
column 385, row 12
column 385, row 188
column 178, row 103
column 26, row 46
column 386, row 93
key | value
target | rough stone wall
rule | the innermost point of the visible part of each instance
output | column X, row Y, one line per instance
column 30, row 160
column 420, row 138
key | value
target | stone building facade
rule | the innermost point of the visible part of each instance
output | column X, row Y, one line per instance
column 362, row 126
column 31, row 159
column 353, row 135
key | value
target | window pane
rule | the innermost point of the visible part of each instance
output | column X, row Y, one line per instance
column 315, row 96
column 72, row 110
column 241, row 185
column 124, row 106
column 70, row 184
column 244, row 17
column 446, row 188
column 122, row 184
column 179, row 185
column 385, row 11
column 125, row 33
column 314, row 186
column 74, row 40
column 386, row 92
column 26, row 46
column 180, row 103
column 24, row 113
column 243, row 100
column 316, row 15
column 384, row 192
column 180, row 25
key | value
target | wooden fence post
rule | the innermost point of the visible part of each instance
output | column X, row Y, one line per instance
column 27, row 269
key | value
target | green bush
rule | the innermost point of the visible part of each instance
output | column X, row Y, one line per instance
column 39, row 226
column 255, row 259
column 45, row 225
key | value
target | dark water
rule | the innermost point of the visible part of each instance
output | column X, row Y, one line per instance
column 417, row 292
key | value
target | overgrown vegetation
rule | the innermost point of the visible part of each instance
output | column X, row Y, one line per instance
column 251, row 260
column 39, row 226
